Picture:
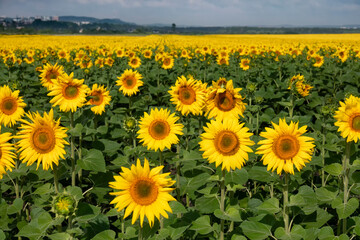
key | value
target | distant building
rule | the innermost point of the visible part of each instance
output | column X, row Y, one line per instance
column 55, row 18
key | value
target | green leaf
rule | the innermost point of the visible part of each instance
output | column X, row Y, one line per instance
column 231, row 214
column 30, row 232
column 239, row 176
column 93, row 161
column 111, row 147
column 75, row 192
column 324, row 195
column 105, row 235
column 334, row 169
column 86, row 212
column 326, row 233
column 260, row 173
column 310, row 199
column 202, row 225
column 191, row 155
column 177, row 207
column 206, row 205
column 76, row 131
column 176, row 233
column 296, row 201
column 255, row 230
column 2, row 235
column 270, row 205
column 345, row 210
column 60, row 236
column 47, row 188
column 237, row 237
column 16, row 206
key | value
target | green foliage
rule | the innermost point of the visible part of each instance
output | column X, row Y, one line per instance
column 254, row 205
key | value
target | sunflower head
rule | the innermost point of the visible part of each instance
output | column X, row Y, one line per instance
column 69, row 93
column 227, row 143
column 225, row 102
column 188, row 96
column 284, row 147
column 11, row 106
column 348, row 118
column 159, row 129
column 42, row 140
column 143, row 191
column 134, row 62
column 129, row 82
column 99, row 97
column 50, row 75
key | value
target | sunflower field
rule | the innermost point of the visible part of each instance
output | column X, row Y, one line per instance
column 180, row 137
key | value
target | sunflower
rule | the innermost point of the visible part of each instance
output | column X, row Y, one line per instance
column 225, row 102
column 188, row 96
column 129, row 82
column 143, row 191
column 284, row 147
column 319, row 60
column 158, row 130
column 7, row 154
column 222, row 60
column 226, row 142
column 11, row 106
column 41, row 140
column 302, row 88
column 134, row 62
column 99, row 97
column 245, row 64
column 167, row 62
column 69, row 93
column 147, row 53
column 348, row 119
column 50, row 74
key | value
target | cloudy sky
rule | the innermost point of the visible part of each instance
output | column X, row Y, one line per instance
column 196, row 12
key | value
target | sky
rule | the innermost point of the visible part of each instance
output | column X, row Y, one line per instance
column 196, row 12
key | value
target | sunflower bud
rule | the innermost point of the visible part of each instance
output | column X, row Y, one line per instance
column 259, row 99
column 130, row 124
column 64, row 204
column 251, row 87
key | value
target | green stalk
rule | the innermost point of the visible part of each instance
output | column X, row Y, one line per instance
column 72, row 149
column 80, row 157
column 250, row 118
column 346, row 162
column 291, row 108
column 161, row 164
column 56, row 178
column 286, row 200
column 140, row 235
column 323, row 161
column 222, row 203
column 122, row 222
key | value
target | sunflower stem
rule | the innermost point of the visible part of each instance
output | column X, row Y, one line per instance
column 222, row 202
column 346, row 169
column 178, row 197
column 140, row 235
column 80, row 157
column 72, row 149
column 122, row 222
column 161, row 164
column 250, row 103
column 56, row 178
column 291, row 108
column 323, row 160
column 285, row 204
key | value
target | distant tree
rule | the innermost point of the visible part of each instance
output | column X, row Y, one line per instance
column 173, row 27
